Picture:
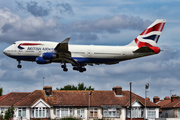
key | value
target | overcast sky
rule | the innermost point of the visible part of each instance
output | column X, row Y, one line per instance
column 102, row 22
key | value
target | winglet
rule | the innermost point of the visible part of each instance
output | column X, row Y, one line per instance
column 66, row 40
column 63, row 46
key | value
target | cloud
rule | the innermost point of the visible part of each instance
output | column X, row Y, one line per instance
column 84, row 36
column 36, row 28
column 64, row 8
column 48, row 7
column 36, row 10
column 111, row 24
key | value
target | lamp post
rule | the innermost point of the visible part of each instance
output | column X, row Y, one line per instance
column 90, row 92
column 43, row 81
column 130, row 83
column 146, row 87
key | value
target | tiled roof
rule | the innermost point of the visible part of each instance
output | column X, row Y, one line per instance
column 163, row 103
column 12, row 98
column 175, row 104
column 81, row 98
column 31, row 98
column 134, row 96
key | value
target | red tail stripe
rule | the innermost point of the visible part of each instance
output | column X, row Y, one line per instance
column 141, row 44
column 24, row 44
column 157, row 27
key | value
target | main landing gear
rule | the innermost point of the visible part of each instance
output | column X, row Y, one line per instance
column 80, row 69
column 19, row 66
column 64, row 67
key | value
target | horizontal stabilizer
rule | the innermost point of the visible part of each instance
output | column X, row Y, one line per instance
column 143, row 49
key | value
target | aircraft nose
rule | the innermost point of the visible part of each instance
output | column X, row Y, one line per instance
column 5, row 52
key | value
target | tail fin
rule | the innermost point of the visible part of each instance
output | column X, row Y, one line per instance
column 149, row 37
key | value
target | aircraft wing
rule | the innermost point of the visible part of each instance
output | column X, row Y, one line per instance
column 63, row 52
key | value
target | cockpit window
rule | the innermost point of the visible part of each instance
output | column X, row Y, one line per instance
column 14, row 43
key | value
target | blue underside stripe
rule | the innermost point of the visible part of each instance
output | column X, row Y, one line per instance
column 80, row 60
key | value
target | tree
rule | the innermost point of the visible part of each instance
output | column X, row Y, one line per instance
column 1, row 91
column 9, row 113
column 79, row 87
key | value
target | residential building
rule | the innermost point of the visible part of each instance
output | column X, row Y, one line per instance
column 55, row 104
column 172, row 109
column 161, row 103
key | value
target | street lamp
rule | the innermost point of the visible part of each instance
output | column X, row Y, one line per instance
column 130, row 83
column 43, row 81
column 146, row 87
column 90, row 92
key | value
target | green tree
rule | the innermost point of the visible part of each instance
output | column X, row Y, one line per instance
column 1, row 91
column 80, row 86
column 9, row 113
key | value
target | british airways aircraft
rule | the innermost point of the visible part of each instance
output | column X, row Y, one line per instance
column 43, row 52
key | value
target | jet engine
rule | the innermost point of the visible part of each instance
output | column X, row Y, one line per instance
column 49, row 56
column 40, row 60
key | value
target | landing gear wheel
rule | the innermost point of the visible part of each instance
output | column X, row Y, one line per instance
column 65, row 69
column 19, row 66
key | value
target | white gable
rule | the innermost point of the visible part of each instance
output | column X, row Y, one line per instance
column 40, row 103
column 136, row 104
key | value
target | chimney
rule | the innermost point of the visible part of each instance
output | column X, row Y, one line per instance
column 173, row 98
column 117, row 90
column 147, row 98
column 155, row 99
column 48, row 90
column 167, row 98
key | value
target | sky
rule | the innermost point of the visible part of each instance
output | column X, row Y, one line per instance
column 102, row 22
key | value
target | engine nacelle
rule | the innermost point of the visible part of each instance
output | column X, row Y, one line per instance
column 49, row 56
column 40, row 60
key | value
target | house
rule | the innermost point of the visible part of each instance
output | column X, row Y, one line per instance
column 161, row 103
column 172, row 109
column 55, row 104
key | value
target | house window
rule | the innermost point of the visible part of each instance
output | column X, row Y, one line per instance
column 111, row 112
column 94, row 112
column 151, row 113
column 80, row 112
column 136, row 112
column 21, row 112
column 64, row 112
column 39, row 112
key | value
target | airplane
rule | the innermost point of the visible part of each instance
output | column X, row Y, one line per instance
column 43, row 52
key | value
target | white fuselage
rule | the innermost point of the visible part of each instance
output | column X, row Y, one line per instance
column 81, row 53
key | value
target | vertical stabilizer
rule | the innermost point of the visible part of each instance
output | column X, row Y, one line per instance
column 149, row 37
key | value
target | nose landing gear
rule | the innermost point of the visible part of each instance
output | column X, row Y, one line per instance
column 19, row 66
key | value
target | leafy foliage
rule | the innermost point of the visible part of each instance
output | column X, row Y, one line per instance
column 79, row 87
column 1, row 91
column 9, row 113
column 69, row 118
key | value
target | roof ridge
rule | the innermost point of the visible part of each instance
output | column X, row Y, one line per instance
column 5, row 96
column 25, row 97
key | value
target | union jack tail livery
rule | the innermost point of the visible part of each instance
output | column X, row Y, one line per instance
column 148, row 39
